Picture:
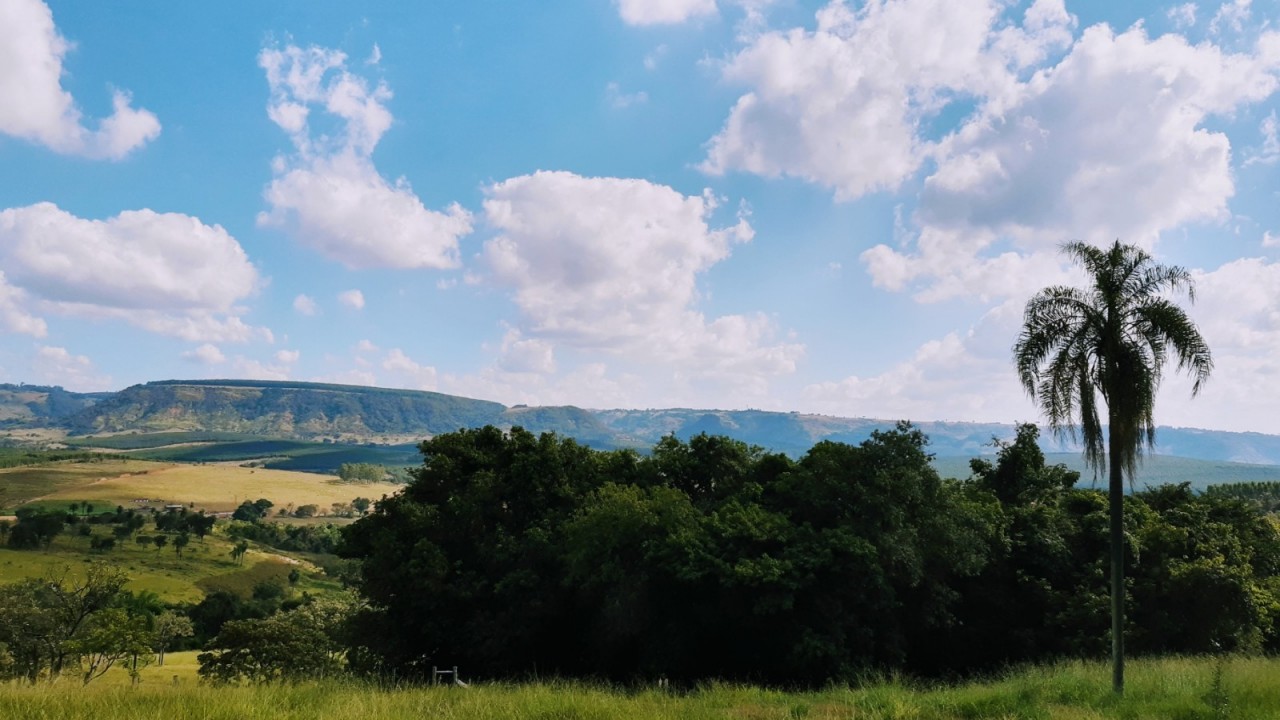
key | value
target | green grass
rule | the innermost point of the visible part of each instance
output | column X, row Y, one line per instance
column 143, row 441
column 1163, row 689
column 204, row 566
column 24, row 484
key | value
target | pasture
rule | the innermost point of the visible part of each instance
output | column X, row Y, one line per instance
column 213, row 488
column 1158, row 689
column 203, row 566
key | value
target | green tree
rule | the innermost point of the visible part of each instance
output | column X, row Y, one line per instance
column 284, row 647
column 160, row 541
column 1110, row 339
column 168, row 627
column 238, row 551
column 180, row 542
column 110, row 636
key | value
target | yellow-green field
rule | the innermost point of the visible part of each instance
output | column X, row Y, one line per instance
column 1180, row 688
column 203, row 566
column 214, row 488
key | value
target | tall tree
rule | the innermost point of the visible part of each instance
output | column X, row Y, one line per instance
column 1112, row 339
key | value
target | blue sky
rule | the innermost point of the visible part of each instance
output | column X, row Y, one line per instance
column 834, row 207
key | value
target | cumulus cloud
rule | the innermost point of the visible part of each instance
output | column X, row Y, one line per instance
column 287, row 357
column 967, row 375
column 328, row 193
column 663, row 12
column 526, row 355
column 1238, row 312
column 253, row 369
column 612, row 264
column 1270, row 150
column 1051, row 163
column 408, row 373
column 57, row 366
column 35, row 107
column 843, row 105
column 1231, row 16
column 206, row 354
column 166, row 272
column 353, row 299
column 963, row 375
column 620, row 100
column 1182, row 16
column 305, row 305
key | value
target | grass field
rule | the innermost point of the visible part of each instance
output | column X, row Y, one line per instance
column 214, row 488
column 282, row 454
column 204, row 566
column 23, row 484
column 1174, row 688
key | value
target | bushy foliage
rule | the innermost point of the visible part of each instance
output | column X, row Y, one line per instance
column 511, row 553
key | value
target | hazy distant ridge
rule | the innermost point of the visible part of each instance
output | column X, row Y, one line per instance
column 312, row 411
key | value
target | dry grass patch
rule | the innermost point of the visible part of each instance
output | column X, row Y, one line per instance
column 219, row 488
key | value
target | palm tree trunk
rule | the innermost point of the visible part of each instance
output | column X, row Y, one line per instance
column 1115, row 498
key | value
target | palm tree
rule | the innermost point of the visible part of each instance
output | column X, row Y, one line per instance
column 1110, row 339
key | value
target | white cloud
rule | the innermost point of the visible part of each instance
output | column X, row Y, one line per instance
column 252, row 369
column 57, row 366
column 612, row 264
column 590, row 385
column 663, row 12
column 206, row 354
column 653, row 57
column 166, row 272
column 1238, row 312
column 1231, row 15
column 620, row 100
column 969, row 375
column 965, row 376
column 842, row 106
column 526, row 355
column 329, row 194
column 14, row 316
column 33, row 105
column 1270, row 150
column 287, row 357
column 1182, row 16
column 305, row 305
column 1269, row 240
column 1045, row 168
column 365, row 346
column 408, row 373
column 352, row 298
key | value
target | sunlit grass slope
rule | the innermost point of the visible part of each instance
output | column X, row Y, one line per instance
column 203, row 566
column 1158, row 689
column 214, row 488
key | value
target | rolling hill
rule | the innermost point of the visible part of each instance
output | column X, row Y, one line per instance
column 246, row 410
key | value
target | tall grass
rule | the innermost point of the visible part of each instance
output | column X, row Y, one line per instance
column 1164, row 689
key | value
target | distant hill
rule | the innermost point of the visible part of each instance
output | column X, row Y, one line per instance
column 795, row 433
column 40, row 405
column 312, row 411
column 1154, row 470
column 358, row 414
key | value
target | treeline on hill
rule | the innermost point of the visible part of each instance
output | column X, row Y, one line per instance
column 511, row 555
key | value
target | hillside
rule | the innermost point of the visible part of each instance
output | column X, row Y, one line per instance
column 40, row 405
column 355, row 414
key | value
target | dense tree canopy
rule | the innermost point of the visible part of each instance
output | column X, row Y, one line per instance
column 512, row 554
